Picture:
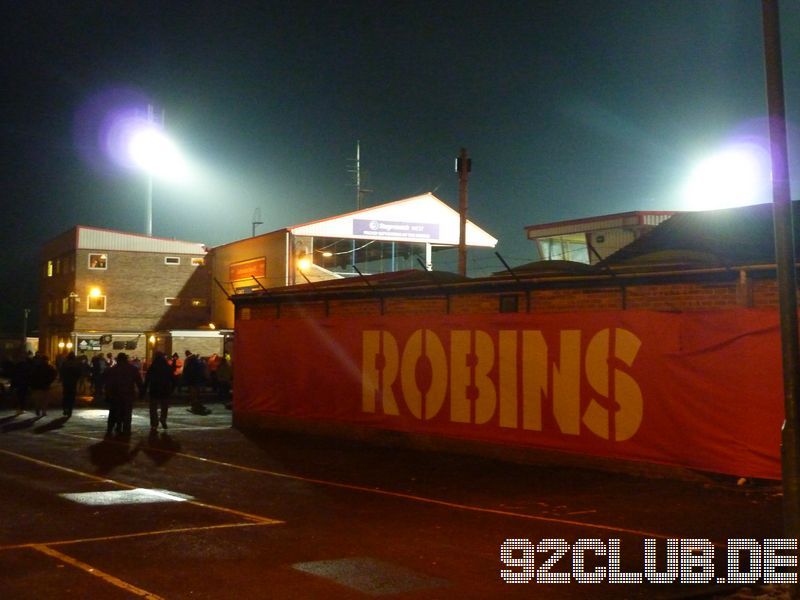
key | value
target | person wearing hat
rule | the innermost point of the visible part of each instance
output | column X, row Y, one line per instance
column 123, row 381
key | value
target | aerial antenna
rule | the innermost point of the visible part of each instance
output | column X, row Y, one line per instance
column 356, row 171
column 257, row 219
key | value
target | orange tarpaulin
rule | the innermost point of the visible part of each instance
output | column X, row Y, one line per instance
column 701, row 390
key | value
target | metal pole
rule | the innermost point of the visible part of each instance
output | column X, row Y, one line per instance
column 463, row 166
column 149, row 202
column 785, row 265
column 25, row 313
column 358, row 175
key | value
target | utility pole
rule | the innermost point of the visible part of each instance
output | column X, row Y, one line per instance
column 463, row 167
column 785, row 268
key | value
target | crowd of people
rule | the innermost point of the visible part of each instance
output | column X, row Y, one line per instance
column 118, row 381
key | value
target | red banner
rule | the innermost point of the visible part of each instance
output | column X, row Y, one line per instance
column 701, row 390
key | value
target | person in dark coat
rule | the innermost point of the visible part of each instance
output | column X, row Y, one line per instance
column 159, row 382
column 70, row 373
column 193, row 378
column 99, row 366
column 20, row 379
column 43, row 374
column 122, row 381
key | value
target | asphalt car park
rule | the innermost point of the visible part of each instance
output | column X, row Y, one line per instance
column 203, row 510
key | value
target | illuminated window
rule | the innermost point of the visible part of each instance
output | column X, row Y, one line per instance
column 198, row 262
column 65, row 306
column 49, row 268
column 172, row 260
column 96, row 304
column 198, row 302
column 172, row 301
column 98, row 261
column 565, row 247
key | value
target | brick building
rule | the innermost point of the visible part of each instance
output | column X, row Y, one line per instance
column 104, row 291
column 110, row 291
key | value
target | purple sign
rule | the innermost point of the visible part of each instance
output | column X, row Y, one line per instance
column 395, row 229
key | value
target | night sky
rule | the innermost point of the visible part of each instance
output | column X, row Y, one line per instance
column 569, row 109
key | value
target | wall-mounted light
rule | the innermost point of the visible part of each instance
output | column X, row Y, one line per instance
column 61, row 345
column 152, row 339
column 304, row 263
column 69, row 345
column 95, row 292
column 212, row 326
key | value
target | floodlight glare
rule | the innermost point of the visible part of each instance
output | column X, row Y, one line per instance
column 156, row 154
column 736, row 176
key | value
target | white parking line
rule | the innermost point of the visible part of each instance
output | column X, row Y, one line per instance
column 116, row 581
column 124, row 536
column 224, row 509
column 411, row 497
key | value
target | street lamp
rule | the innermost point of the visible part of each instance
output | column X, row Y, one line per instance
column 156, row 154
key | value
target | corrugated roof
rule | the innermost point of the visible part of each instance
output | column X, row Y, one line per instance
column 626, row 219
column 92, row 238
column 733, row 236
column 544, row 267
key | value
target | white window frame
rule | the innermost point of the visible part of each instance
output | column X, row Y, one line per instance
column 172, row 260
column 198, row 261
column 89, row 261
column 96, row 298
column 172, row 301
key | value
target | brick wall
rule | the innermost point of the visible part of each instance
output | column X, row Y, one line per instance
column 684, row 296
column 135, row 285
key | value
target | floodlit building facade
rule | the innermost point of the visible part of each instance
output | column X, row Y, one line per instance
column 398, row 236
column 593, row 239
column 110, row 291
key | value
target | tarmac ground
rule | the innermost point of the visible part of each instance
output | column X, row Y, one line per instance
column 203, row 510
